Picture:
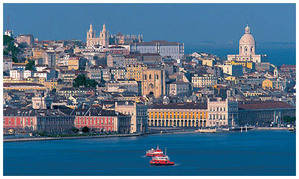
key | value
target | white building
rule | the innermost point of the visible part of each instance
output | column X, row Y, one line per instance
column 173, row 49
column 27, row 74
column 16, row 74
column 138, row 113
column 246, row 49
column 222, row 112
column 204, row 81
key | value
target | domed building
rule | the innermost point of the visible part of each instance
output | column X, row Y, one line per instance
column 246, row 49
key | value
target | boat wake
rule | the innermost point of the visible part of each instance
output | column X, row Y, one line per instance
column 176, row 164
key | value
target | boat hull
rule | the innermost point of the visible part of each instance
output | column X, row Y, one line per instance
column 161, row 163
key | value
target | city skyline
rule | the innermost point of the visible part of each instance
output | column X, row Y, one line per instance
column 269, row 27
column 105, row 89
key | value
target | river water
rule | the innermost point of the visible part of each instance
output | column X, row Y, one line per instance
column 235, row 153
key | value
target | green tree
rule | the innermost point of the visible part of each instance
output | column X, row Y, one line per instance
column 30, row 65
column 10, row 48
column 289, row 119
column 75, row 130
column 82, row 80
column 85, row 129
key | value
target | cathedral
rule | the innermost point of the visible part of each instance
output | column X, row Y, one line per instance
column 102, row 40
column 246, row 49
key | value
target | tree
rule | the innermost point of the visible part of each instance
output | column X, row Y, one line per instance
column 10, row 48
column 75, row 130
column 85, row 129
column 30, row 65
column 289, row 120
column 82, row 80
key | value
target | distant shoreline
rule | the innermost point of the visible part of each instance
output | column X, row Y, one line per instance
column 29, row 139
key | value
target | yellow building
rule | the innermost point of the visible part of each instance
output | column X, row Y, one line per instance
column 73, row 63
column 247, row 64
column 135, row 71
column 267, row 84
column 38, row 53
column 50, row 84
column 178, row 115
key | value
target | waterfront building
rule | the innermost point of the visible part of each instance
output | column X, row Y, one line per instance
column 42, row 120
column 222, row 112
column 100, row 120
column 178, row 115
column 138, row 113
column 204, row 81
column 153, row 82
column 264, row 113
column 246, row 49
column 173, row 49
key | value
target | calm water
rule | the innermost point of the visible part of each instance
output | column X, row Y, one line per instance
column 251, row 153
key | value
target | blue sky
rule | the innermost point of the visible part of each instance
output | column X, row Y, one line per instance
column 193, row 24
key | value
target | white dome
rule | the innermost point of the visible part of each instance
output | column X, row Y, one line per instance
column 247, row 39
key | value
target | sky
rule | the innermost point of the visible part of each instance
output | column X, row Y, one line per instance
column 192, row 24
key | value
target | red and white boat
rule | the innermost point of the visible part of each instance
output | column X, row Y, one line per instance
column 161, row 160
column 154, row 152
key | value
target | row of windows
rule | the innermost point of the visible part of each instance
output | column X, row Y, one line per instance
column 150, row 77
column 218, row 108
column 177, row 115
column 217, row 116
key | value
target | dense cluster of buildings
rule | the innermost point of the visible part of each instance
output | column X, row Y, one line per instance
column 139, row 85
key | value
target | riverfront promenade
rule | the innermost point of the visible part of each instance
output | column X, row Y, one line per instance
column 63, row 138
column 152, row 131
